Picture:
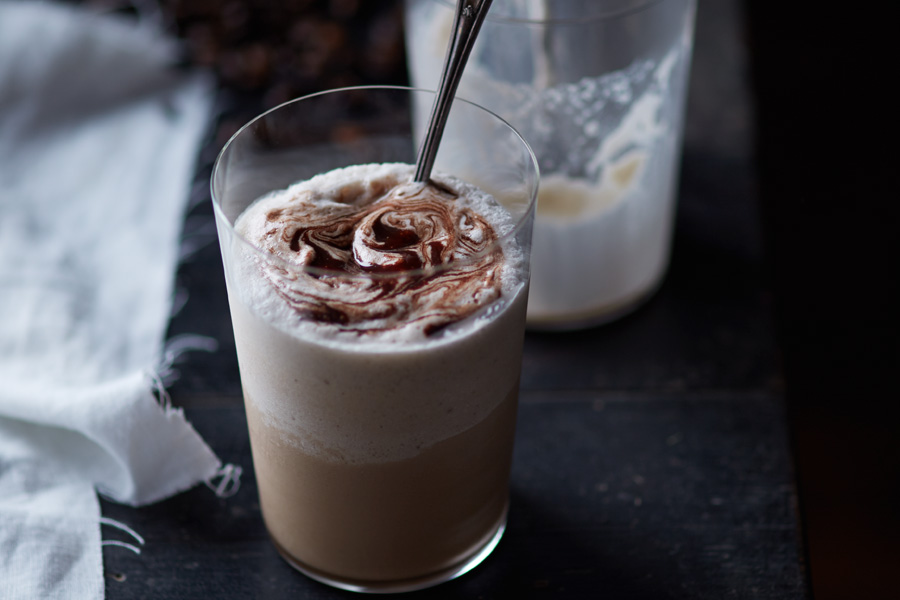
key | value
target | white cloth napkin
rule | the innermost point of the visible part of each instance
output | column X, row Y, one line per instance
column 98, row 142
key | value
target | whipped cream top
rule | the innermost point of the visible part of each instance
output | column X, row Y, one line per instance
column 377, row 253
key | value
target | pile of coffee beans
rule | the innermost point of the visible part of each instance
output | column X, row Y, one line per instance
column 287, row 48
column 282, row 49
column 265, row 52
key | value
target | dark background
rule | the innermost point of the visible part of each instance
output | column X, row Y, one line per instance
column 824, row 106
column 827, row 173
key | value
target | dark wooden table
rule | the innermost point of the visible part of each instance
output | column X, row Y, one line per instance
column 652, row 456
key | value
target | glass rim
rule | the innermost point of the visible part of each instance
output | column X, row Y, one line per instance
column 502, row 240
column 599, row 15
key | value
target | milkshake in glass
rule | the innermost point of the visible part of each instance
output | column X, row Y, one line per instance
column 379, row 326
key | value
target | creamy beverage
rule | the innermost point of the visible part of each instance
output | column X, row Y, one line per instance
column 379, row 328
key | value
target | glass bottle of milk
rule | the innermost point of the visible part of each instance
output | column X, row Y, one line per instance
column 597, row 88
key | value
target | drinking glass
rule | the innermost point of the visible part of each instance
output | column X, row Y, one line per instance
column 597, row 87
column 382, row 466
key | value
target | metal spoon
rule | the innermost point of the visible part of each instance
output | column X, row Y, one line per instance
column 466, row 24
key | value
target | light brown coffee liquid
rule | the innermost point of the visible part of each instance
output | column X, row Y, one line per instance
column 390, row 520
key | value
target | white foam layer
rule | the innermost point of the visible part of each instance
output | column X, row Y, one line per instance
column 324, row 191
column 360, row 399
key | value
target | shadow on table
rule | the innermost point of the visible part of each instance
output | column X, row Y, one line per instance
column 541, row 556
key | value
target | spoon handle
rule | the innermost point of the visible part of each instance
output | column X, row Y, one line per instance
column 466, row 24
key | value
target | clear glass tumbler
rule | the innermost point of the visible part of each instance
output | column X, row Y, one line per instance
column 383, row 465
column 597, row 87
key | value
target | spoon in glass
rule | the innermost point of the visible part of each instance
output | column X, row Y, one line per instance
column 466, row 25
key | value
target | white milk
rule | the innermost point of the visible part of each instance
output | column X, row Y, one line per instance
column 608, row 147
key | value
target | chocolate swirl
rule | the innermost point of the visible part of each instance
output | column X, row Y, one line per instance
column 432, row 259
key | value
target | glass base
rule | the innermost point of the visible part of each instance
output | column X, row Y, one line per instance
column 405, row 585
column 601, row 315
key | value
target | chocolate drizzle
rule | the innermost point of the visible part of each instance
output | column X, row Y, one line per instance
column 432, row 259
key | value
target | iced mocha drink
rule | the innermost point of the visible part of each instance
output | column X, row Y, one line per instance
column 379, row 328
